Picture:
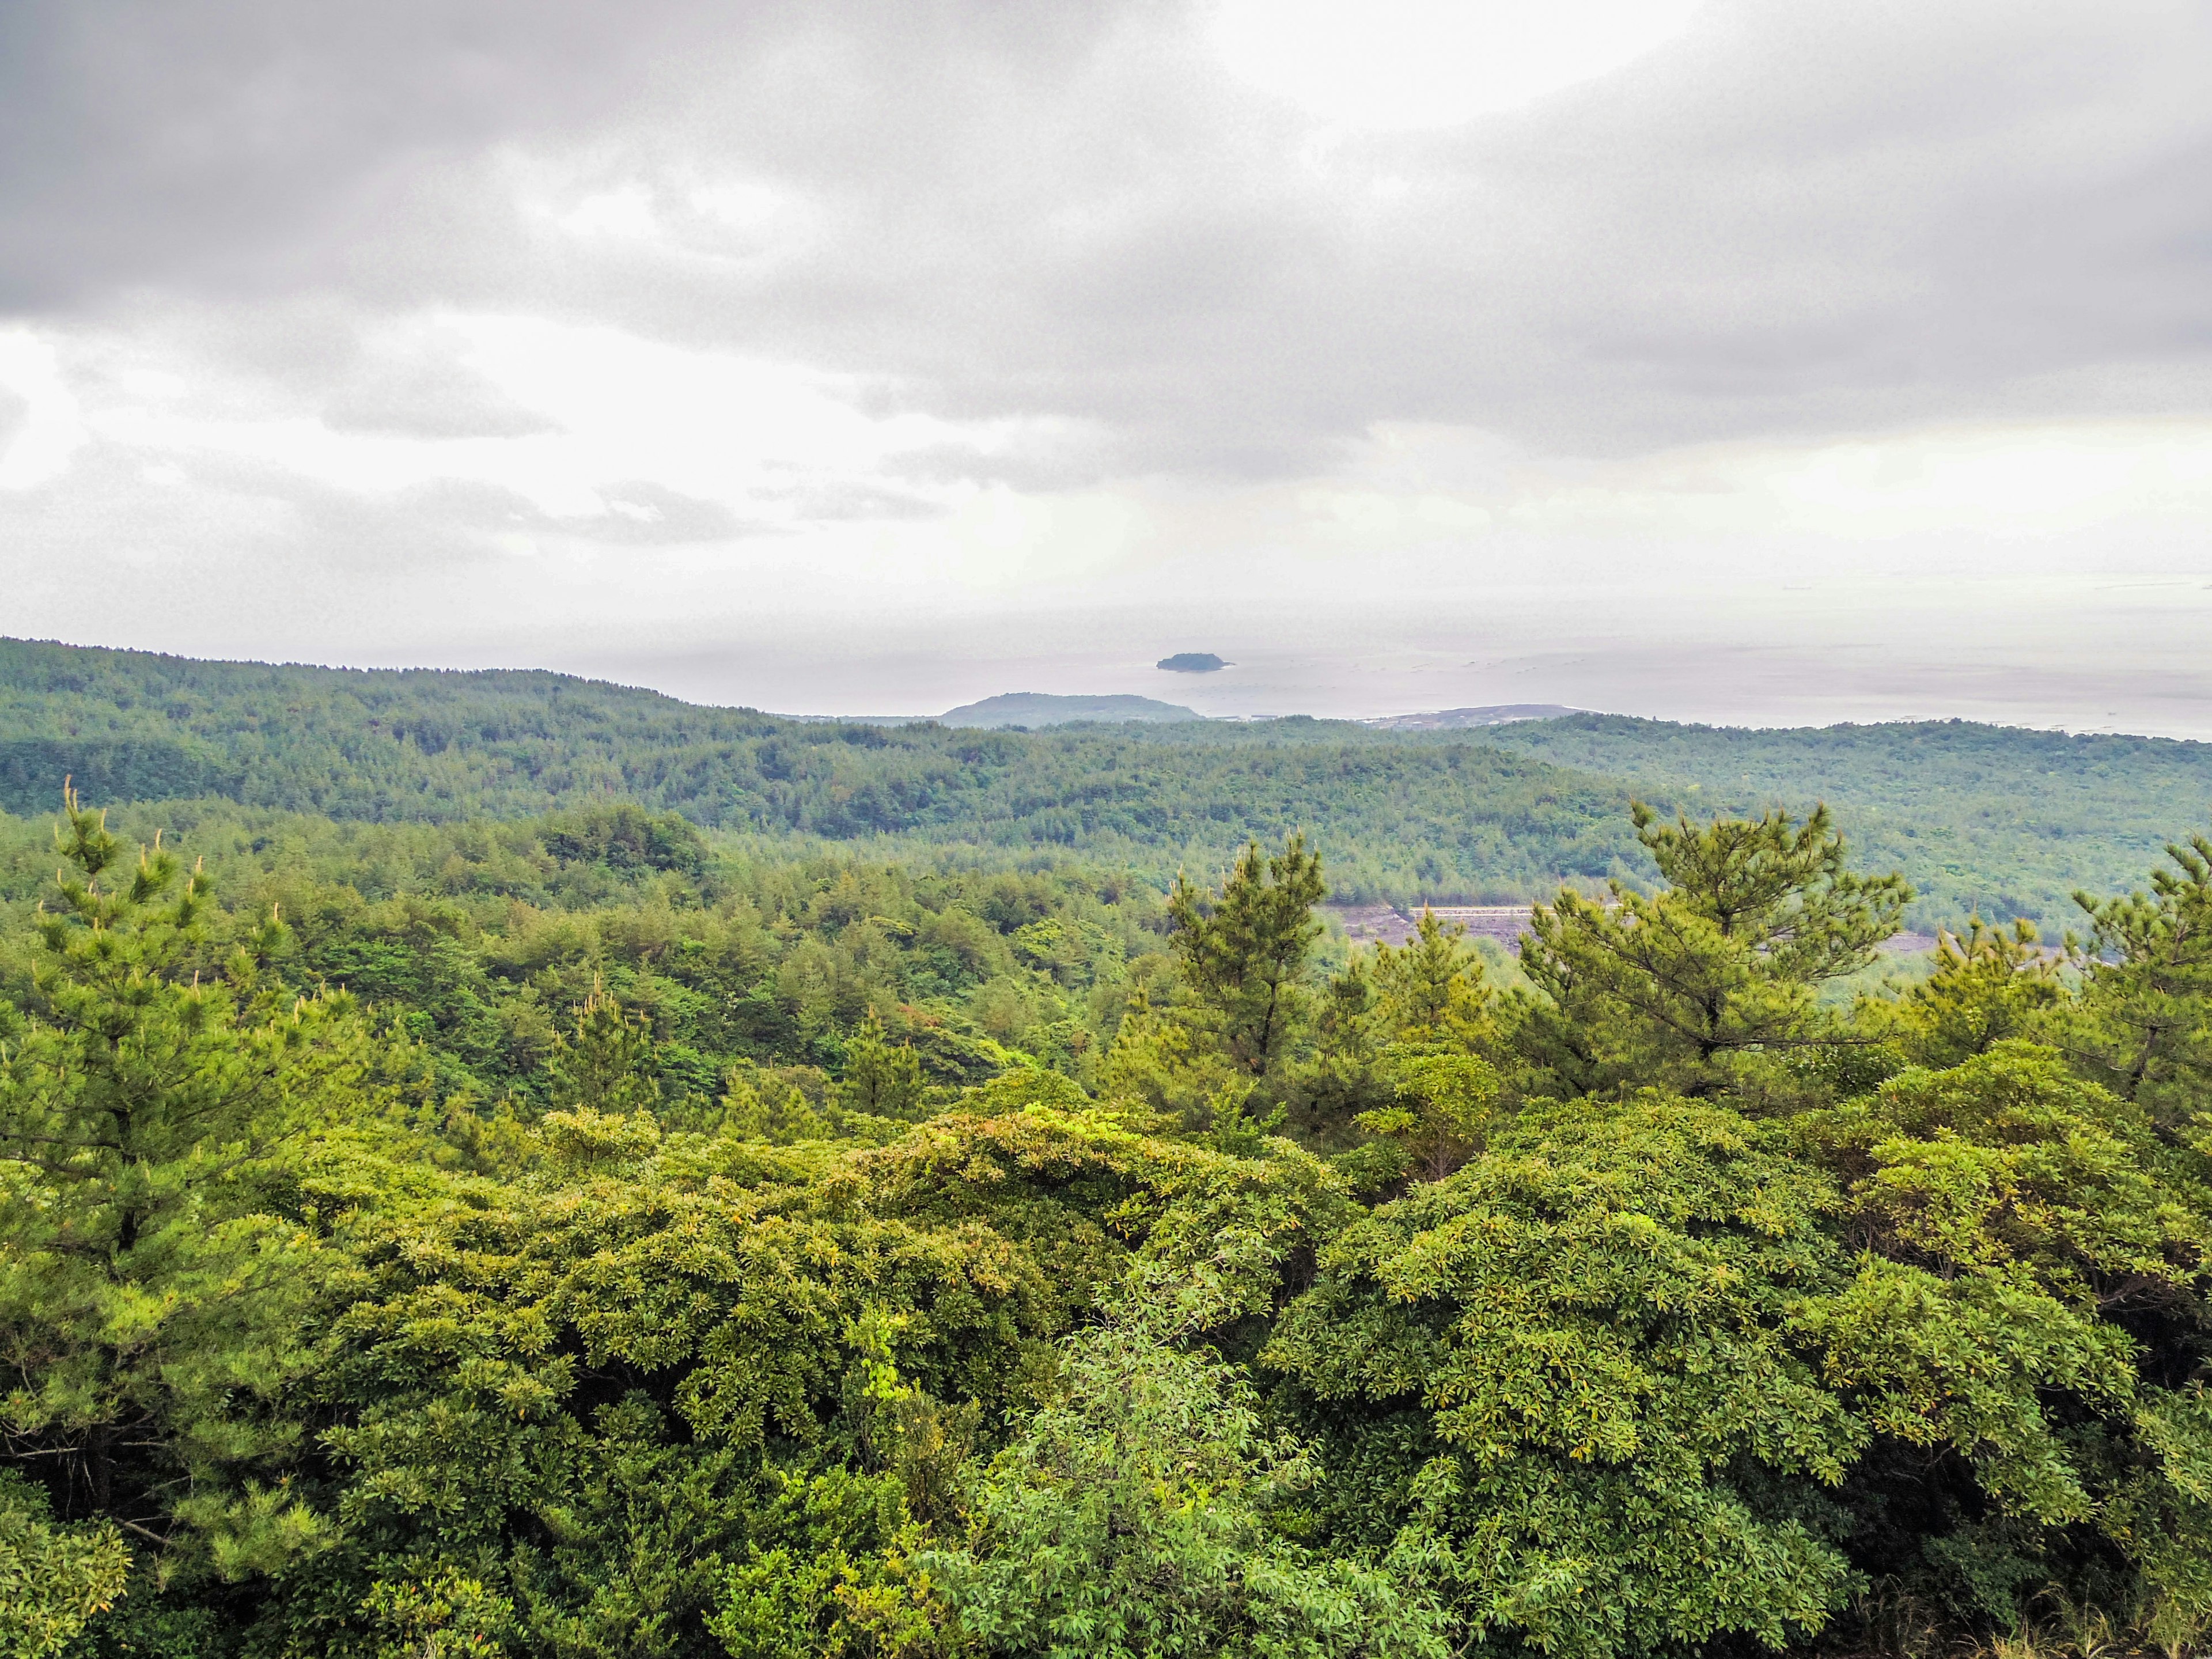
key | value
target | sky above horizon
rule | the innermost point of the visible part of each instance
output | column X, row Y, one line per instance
column 1728, row 361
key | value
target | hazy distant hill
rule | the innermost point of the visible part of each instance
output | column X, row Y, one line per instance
column 1035, row 709
column 1455, row 719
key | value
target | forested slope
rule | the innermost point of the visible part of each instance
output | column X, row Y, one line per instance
column 1663, row 1308
column 381, row 745
column 2003, row 820
column 1996, row 820
column 482, row 939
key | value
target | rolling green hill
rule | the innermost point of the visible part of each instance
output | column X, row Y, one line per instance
column 1996, row 819
column 1398, row 820
column 2005, row 820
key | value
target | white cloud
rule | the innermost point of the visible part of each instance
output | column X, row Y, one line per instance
column 1401, row 64
column 51, row 428
column 1448, row 338
column 1995, row 484
column 624, row 212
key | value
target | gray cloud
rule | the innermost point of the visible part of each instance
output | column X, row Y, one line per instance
column 834, row 502
column 1791, row 219
column 641, row 512
column 230, row 145
column 427, row 396
column 453, row 521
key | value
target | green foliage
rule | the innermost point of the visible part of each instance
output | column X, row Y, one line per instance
column 53, row 1579
column 2031, row 1299
column 881, row 1080
column 1236, row 1016
column 692, row 1251
column 1430, row 989
column 1405, row 1050
column 1595, row 1314
column 1999, row 822
column 1983, row 820
column 838, row 1581
column 1989, row 984
column 2147, row 980
column 420, row 744
column 1242, row 954
column 147, row 1304
column 606, row 1067
column 1136, row 1515
column 623, row 838
column 1676, row 987
column 1443, row 1104
column 478, row 945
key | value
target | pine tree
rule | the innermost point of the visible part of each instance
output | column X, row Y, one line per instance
column 1675, row 987
column 606, row 1065
column 602, row 1087
column 1432, row 986
column 882, row 1079
column 1989, row 984
column 2143, row 1025
column 1242, row 954
column 147, row 1300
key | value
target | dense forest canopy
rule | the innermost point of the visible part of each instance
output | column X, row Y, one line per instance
column 1979, row 818
column 389, row 746
column 588, row 1235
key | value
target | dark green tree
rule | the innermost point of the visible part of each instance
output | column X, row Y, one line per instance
column 2025, row 1332
column 1242, row 953
column 2143, row 1024
column 882, row 1079
column 148, row 1295
column 1989, row 985
column 1624, row 1446
column 1673, row 988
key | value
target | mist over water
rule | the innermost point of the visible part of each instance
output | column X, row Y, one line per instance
column 2037, row 655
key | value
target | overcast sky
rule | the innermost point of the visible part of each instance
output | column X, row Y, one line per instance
column 1751, row 361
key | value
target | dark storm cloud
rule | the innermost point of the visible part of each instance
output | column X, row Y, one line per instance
column 1791, row 219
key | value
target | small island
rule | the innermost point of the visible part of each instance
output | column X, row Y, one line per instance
column 1191, row 662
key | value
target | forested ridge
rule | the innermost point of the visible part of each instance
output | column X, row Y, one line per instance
column 580, row 1235
column 1988, row 820
column 2003, row 820
column 420, row 745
